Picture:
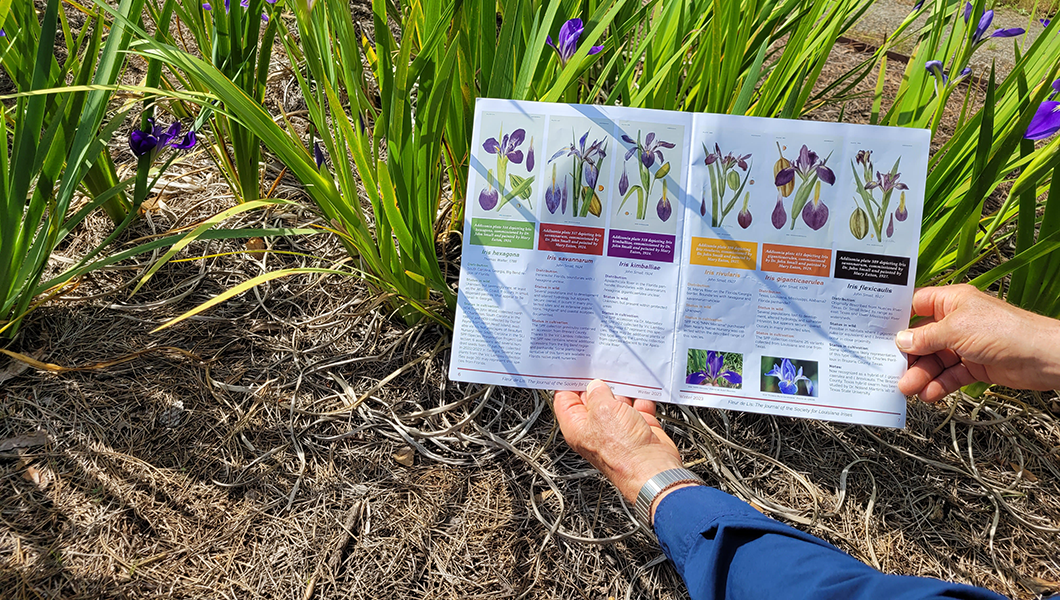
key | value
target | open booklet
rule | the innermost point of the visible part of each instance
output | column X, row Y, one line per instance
column 744, row 263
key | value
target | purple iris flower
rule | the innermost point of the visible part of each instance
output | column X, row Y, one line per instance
column 264, row 18
column 886, row 182
column 918, row 5
column 806, row 165
column 789, row 378
column 1044, row 22
column 318, row 154
column 187, row 142
column 1046, row 121
column 713, row 371
column 568, row 41
column 984, row 24
column 155, row 137
column 508, row 146
column 967, row 11
column 244, row 3
column 651, row 149
column 206, row 6
column 935, row 68
column 2, row 32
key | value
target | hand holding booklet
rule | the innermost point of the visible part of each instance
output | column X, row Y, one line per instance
column 751, row 264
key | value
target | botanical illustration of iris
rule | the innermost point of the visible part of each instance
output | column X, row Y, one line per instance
column 507, row 151
column 871, row 212
column 556, row 196
column 811, row 171
column 649, row 156
column 585, row 168
column 719, row 369
column 728, row 173
column 789, row 378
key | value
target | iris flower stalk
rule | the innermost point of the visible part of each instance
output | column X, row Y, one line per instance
column 649, row 153
column 790, row 378
column 724, row 172
column 976, row 37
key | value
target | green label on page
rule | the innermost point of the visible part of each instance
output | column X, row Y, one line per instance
column 505, row 234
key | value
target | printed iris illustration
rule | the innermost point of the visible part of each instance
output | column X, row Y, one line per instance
column 585, row 168
column 810, row 171
column 649, row 155
column 789, row 379
column 494, row 195
column 719, row 369
column 728, row 173
column 556, row 196
column 872, row 212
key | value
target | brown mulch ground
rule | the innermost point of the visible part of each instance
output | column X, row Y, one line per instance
column 270, row 459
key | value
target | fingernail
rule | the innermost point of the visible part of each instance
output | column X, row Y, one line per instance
column 594, row 384
column 904, row 339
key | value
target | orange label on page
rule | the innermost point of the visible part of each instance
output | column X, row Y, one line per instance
column 796, row 260
column 728, row 254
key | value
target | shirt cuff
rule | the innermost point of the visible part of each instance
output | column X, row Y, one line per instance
column 685, row 513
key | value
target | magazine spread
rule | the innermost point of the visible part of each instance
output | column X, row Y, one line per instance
column 752, row 264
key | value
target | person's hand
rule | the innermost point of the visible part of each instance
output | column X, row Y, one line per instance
column 619, row 436
column 970, row 336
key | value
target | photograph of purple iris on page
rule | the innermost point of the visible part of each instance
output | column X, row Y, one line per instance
column 792, row 377
column 712, row 368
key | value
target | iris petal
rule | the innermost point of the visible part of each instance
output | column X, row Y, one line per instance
column 1007, row 33
column 1046, row 121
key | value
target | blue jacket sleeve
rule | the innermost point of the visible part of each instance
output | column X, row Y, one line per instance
column 725, row 549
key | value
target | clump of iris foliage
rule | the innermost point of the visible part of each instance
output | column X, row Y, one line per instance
column 385, row 162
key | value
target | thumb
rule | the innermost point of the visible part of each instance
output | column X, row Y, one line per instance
column 926, row 339
column 598, row 395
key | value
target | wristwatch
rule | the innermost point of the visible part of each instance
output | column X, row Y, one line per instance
column 657, row 485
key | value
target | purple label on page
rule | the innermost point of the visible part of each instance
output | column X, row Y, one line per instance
column 641, row 245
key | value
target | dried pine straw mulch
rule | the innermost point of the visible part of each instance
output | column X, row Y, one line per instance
column 303, row 445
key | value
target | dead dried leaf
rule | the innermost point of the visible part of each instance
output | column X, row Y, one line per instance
column 758, row 508
column 405, row 456
column 1031, row 477
column 16, row 367
column 29, row 440
column 256, row 246
column 1042, row 586
column 32, row 474
column 543, row 495
column 150, row 204
column 38, row 477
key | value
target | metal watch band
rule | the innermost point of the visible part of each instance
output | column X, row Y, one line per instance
column 657, row 485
